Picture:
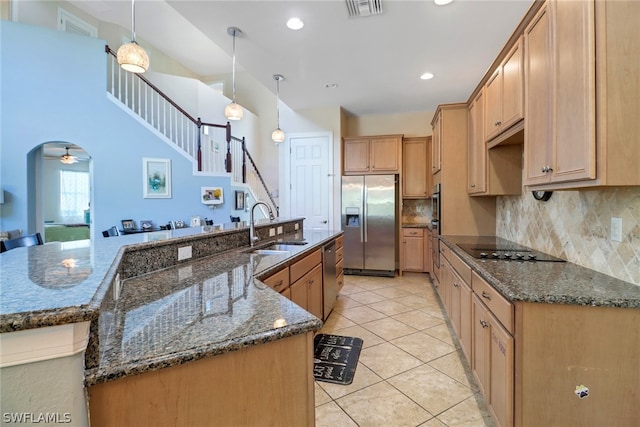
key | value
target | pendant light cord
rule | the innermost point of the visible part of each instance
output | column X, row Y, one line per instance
column 233, row 71
column 278, row 101
column 133, row 21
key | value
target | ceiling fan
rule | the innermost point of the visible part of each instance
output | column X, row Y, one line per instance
column 67, row 158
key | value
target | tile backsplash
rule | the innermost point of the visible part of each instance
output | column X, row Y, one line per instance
column 576, row 226
column 416, row 211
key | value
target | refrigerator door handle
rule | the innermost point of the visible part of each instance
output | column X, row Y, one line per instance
column 366, row 212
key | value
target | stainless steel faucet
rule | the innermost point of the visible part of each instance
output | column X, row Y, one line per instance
column 252, row 227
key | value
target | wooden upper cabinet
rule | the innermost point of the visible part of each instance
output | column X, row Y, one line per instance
column 477, row 148
column 436, row 143
column 574, row 139
column 416, row 167
column 356, row 155
column 372, row 154
column 538, row 131
column 504, row 94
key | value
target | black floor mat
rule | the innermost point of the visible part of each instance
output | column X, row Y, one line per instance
column 335, row 358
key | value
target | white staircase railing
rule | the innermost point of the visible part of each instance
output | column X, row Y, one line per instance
column 210, row 145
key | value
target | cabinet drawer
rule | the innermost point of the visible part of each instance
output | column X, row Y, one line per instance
column 339, row 241
column 300, row 268
column 340, row 282
column 339, row 254
column 278, row 281
column 461, row 267
column 339, row 268
column 413, row 232
column 499, row 306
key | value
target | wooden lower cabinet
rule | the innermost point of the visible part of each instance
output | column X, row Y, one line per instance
column 412, row 249
column 307, row 291
column 278, row 281
column 529, row 358
column 493, row 358
column 230, row 389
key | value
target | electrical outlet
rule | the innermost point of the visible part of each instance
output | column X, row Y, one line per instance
column 185, row 273
column 616, row 229
column 296, row 226
column 280, row 229
column 272, row 232
column 184, row 253
column 507, row 216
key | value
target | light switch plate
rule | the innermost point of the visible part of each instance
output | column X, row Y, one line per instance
column 272, row 232
column 295, row 227
column 279, row 229
column 616, row 229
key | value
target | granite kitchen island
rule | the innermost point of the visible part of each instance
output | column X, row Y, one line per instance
column 194, row 342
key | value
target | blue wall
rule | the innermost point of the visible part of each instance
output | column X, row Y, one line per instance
column 53, row 88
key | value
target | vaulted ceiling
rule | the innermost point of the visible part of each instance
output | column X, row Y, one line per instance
column 375, row 60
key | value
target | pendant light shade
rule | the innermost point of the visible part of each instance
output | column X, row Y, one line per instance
column 278, row 135
column 131, row 56
column 234, row 111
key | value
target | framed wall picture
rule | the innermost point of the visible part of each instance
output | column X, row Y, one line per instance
column 212, row 195
column 156, row 178
column 239, row 200
column 128, row 224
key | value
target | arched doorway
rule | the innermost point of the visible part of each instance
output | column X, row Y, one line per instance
column 63, row 192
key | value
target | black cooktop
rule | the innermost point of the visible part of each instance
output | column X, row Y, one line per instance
column 506, row 252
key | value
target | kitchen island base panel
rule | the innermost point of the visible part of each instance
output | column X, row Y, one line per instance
column 563, row 347
column 268, row 384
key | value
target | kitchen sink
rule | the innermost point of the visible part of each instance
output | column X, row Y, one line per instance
column 269, row 251
column 276, row 248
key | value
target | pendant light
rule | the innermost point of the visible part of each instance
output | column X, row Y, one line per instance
column 278, row 135
column 67, row 158
column 234, row 111
column 131, row 56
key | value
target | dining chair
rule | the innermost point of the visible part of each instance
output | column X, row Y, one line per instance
column 23, row 241
column 113, row 231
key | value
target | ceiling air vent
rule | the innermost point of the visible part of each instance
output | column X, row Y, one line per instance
column 364, row 7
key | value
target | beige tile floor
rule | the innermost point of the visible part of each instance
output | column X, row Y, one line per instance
column 411, row 371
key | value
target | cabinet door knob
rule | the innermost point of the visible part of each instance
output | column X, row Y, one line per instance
column 544, row 169
column 483, row 323
column 486, row 295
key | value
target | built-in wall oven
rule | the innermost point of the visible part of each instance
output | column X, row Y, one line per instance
column 436, row 212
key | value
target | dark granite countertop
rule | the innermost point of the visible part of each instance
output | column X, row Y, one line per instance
column 416, row 225
column 548, row 282
column 64, row 282
column 207, row 307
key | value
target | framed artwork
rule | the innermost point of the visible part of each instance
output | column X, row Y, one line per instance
column 212, row 195
column 239, row 200
column 156, row 178
column 128, row 224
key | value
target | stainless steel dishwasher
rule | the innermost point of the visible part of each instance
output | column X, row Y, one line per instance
column 330, row 286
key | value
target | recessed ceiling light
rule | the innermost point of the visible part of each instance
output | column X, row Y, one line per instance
column 331, row 85
column 442, row 2
column 295, row 23
column 426, row 76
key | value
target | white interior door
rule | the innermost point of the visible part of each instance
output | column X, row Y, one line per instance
column 310, row 182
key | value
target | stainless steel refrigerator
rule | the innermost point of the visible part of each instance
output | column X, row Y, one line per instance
column 369, row 224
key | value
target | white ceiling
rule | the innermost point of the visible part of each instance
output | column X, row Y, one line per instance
column 376, row 60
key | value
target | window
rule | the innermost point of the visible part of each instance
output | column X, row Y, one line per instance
column 74, row 196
